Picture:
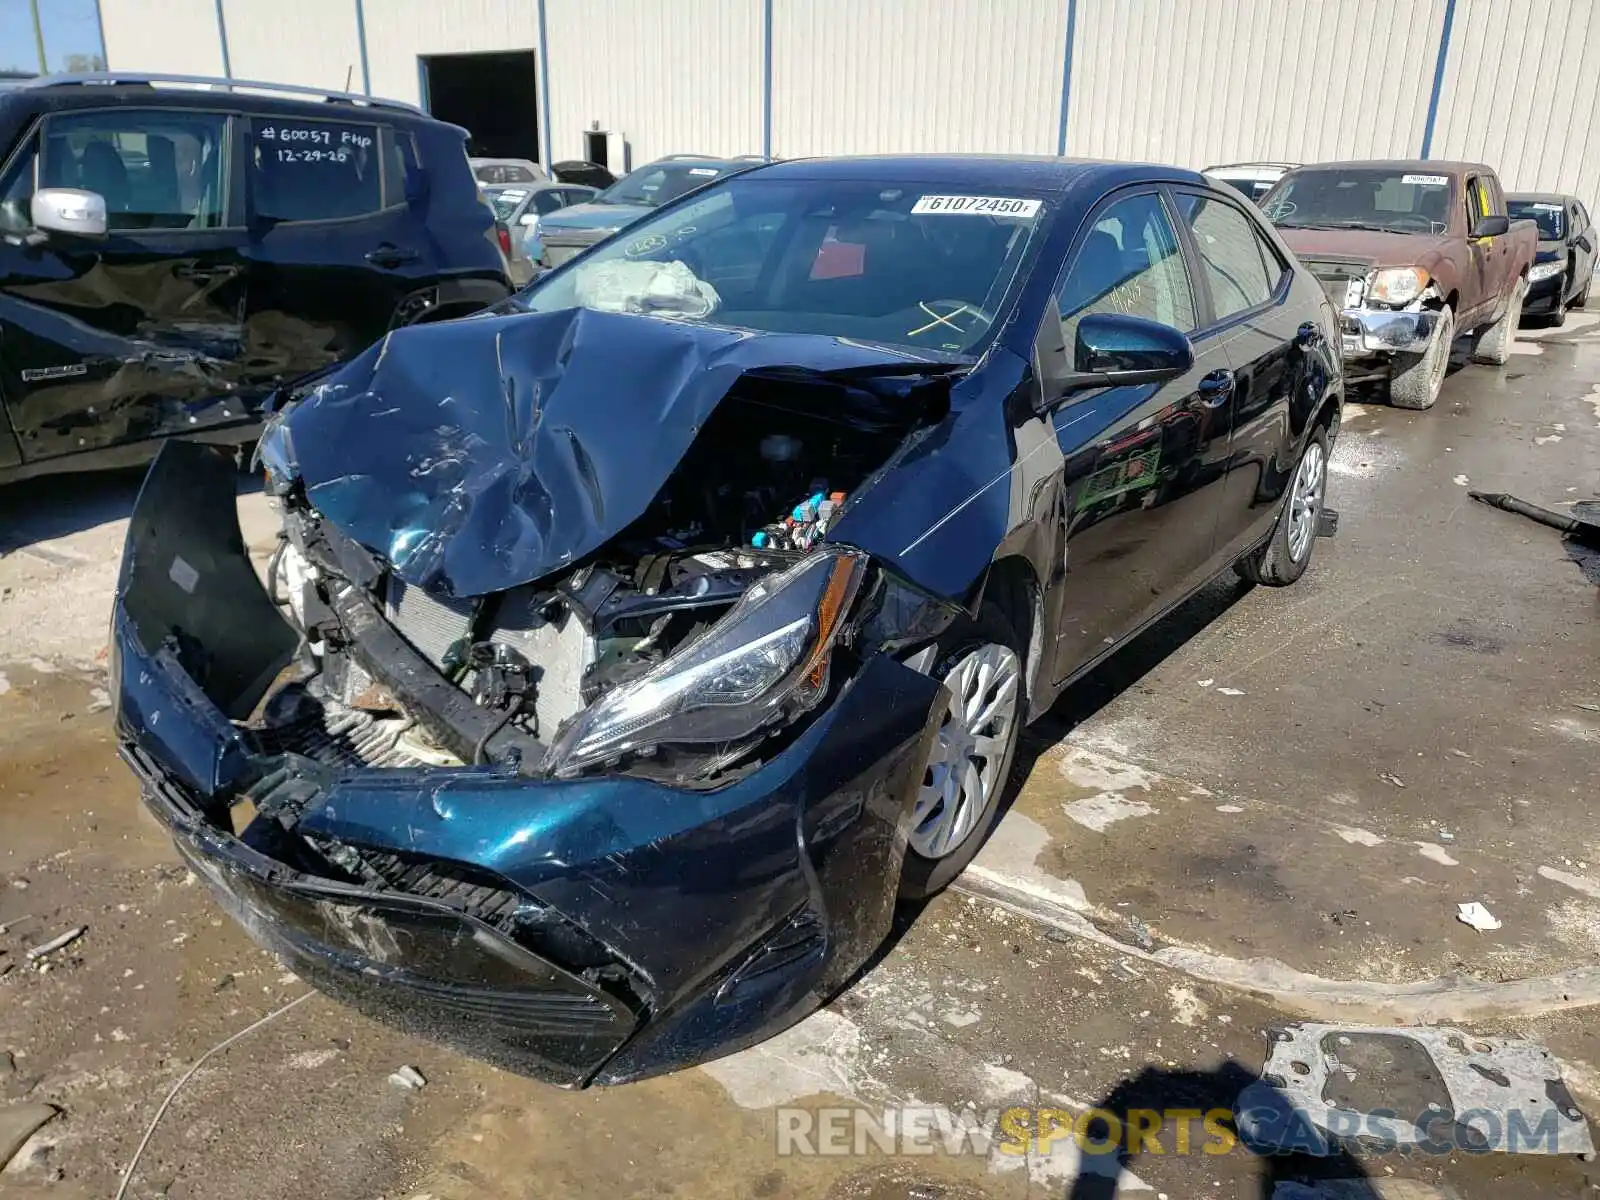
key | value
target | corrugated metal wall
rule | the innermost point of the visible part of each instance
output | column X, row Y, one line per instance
column 1187, row 81
column 1237, row 80
column 275, row 42
column 399, row 31
column 683, row 76
column 863, row 76
column 1522, row 93
column 178, row 37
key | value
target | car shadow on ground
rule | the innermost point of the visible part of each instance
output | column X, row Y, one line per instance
column 1212, row 1105
column 1123, row 670
column 1087, row 696
column 57, row 506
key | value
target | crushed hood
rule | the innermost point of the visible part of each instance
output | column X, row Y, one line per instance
column 480, row 454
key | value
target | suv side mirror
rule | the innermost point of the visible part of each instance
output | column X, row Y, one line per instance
column 1112, row 350
column 69, row 210
column 1492, row 226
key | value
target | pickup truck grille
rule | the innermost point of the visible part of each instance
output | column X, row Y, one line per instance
column 1344, row 282
column 560, row 245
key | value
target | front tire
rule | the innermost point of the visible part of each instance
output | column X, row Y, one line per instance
column 1494, row 344
column 969, row 770
column 1416, row 385
column 1287, row 553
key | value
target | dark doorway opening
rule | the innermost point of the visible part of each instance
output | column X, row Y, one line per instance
column 495, row 97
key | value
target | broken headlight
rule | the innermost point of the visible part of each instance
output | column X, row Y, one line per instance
column 764, row 662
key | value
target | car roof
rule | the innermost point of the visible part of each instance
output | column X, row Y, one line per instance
column 1043, row 173
column 1252, row 167
column 1422, row 166
column 502, row 162
column 51, row 92
column 1546, row 197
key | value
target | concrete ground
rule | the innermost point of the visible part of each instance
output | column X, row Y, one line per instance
column 1265, row 810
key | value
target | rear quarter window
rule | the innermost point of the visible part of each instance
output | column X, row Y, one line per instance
column 316, row 170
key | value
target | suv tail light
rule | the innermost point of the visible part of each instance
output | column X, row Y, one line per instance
column 503, row 236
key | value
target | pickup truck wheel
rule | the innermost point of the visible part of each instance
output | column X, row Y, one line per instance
column 1581, row 300
column 1417, row 383
column 1287, row 553
column 1494, row 344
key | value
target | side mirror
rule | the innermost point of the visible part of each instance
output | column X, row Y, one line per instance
column 528, row 219
column 1113, row 350
column 1584, row 244
column 1492, row 226
column 69, row 210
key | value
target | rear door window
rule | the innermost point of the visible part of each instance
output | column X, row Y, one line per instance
column 1239, row 267
column 314, row 170
column 155, row 168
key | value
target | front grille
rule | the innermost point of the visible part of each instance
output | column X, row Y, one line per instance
column 432, row 624
column 1344, row 282
column 559, row 247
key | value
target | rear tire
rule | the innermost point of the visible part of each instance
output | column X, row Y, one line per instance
column 985, row 670
column 1287, row 553
column 1493, row 345
column 1417, row 384
column 1581, row 300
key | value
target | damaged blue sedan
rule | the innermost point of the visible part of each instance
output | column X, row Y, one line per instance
column 629, row 652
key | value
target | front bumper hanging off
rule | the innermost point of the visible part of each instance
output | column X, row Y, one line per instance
column 597, row 929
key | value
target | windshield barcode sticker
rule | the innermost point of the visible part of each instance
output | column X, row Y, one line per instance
column 1427, row 180
column 988, row 206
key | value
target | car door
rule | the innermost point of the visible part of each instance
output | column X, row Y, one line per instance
column 336, row 249
column 1144, row 465
column 138, row 334
column 1583, row 249
column 1478, row 288
column 1248, row 286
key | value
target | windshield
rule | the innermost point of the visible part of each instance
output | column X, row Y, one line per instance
column 505, row 201
column 499, row 172
column 659, row 182
column 1395, row 200
column 1548, row 216
column 909, row 266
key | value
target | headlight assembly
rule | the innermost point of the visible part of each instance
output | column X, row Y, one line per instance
column 1545, row 270
column 1397, row 286
column 761, row 665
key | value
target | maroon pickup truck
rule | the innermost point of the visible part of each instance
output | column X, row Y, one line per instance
column 1414, row 255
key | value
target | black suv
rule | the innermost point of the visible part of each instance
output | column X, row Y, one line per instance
column 170, row 254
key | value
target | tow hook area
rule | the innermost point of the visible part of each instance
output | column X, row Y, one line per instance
column 1327, row 522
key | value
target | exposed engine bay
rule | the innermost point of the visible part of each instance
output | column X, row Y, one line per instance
column 775, row 463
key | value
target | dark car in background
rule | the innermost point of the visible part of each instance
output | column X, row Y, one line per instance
column 1563, row 268
column 678, row 619
column 170, row 253
column 631, row 197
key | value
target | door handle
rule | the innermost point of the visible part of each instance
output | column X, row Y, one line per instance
column 199, row 274
column 1216, row 388
column 391, row 256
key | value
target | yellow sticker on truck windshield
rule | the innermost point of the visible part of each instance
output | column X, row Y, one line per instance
column 983, row 206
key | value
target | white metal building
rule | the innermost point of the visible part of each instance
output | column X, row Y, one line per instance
column 1515, row 83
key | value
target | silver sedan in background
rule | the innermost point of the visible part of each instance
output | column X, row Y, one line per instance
column 520, row 206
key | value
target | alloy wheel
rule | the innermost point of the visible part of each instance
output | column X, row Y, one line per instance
column 1305, row 500
column 973, row 750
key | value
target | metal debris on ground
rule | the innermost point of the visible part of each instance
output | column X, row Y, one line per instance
column 6, row 926
column 1346, row 1083
column 1476, row 915
column 1392, row 779
column 18, row 1123
column 409, row 1078
column 57, row 942
column 1578, row 528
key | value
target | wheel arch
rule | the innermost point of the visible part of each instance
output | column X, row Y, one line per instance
column 1012, row 583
